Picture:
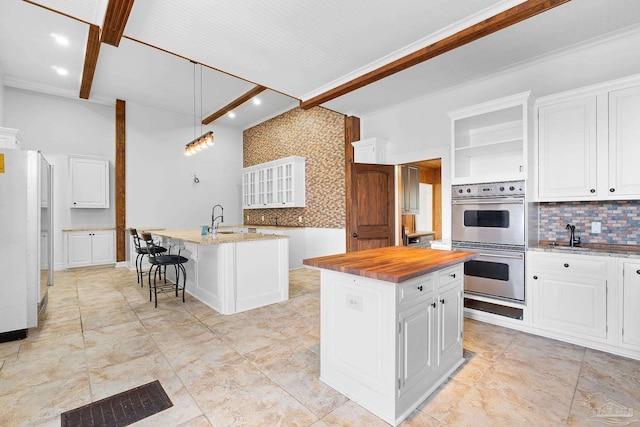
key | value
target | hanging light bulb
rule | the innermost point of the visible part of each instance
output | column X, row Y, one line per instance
column 209, row 139
column 187, row 151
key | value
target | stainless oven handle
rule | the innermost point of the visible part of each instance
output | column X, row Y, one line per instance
column 488, row 202
column 502, row 256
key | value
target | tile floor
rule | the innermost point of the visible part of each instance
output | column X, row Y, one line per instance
column 101, row 336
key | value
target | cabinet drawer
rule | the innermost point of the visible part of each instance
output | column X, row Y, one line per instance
column 449, row 275
column 582, row 265
column 415, row 290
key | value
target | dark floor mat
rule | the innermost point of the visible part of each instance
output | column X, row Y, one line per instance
column 121, row 409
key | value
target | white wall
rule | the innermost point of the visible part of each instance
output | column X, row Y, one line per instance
column 419, row 129
column 160, row 188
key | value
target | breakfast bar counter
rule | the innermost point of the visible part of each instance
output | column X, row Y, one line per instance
column 232, row 272
column 391, row 325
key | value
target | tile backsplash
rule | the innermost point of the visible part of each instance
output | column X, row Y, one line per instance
column 620, row 221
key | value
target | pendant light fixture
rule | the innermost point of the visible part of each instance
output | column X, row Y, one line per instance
column 206, row 139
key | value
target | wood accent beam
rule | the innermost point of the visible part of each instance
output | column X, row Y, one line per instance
column 233, row 104
column 490, row 25
column 351, row 134
column 115, row 19
column 121, row 181
column 90, row 60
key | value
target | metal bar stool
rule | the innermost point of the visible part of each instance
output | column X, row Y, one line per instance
column 160, row 261
column 142, row 251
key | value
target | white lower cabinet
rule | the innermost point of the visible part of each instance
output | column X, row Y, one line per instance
column 85, row 248
column 390, row 370
column 631, row 305
column 569, row 293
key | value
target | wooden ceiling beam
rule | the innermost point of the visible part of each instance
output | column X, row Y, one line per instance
column 90, row 60
column 233, row 104
column 115, row 19
column 502, row 20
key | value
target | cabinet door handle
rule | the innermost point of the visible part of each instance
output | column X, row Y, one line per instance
column 611, row 190
column 453, row 275
column 566, row 265
column 420, row 288
column 593, row 190
column 442, row 301
column 637, row 271
column 535, row 277
column 354, row 235
column 433, row 305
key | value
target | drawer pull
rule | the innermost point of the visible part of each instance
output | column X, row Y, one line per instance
column 535, row 277
column 433, row 305
column 420, row 288
column 566, row 265
column 612, row 190
column 453, row 275
column 442, row 301
column 638, row 271
column 593, row 190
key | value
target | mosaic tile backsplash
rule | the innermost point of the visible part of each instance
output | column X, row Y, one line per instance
column 620, row 221
column 318, row 135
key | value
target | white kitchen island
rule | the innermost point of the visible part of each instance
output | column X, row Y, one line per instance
column 232, row 272
column 391, row 325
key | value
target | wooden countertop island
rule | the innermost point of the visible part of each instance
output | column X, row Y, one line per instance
column 391, row 325
column 392, row 264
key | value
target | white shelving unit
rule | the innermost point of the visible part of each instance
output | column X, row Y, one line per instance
column 489, row 140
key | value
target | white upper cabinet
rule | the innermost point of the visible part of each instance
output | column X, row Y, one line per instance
column 567, row 148
column 276, row 184
column 89, row 178
column 587, row 143
column 489, row 141
column 624, row 142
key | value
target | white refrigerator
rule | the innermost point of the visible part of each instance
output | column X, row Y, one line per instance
column 26, row 239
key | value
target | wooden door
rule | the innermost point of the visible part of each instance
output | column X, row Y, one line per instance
column 372, row 207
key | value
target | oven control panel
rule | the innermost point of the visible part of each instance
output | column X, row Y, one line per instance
column 490, row 189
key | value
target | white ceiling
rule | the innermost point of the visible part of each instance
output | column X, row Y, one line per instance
column 294, row 48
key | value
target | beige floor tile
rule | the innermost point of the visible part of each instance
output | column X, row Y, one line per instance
column 351, row 414
column 180, row 335
column 487, row 341
column 184, row 408
column 481, row 407
column 9, row 350
column 306, row 387
column 63, row 313
column 41, row 405
column 96, row 321
column 212, row 352
column 442, row 400
column 25, row 372
column 55, row 330
column 529, row 389
column 113, row 379
column 44, row 349
column 247, row 338
column 281, row 359
column 170, row 318
column 114, row 352
column 112, row 333
column 200, row 421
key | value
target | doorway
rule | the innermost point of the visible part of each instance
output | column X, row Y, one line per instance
column 429, row 215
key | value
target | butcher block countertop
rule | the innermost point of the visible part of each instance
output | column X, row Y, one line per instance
column 391, row 264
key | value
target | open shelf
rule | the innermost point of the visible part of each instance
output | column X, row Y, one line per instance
column 507, row 146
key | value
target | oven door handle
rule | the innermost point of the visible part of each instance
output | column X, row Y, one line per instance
column 489, row 202
column 502, row 256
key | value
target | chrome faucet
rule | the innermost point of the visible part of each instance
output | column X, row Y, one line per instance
column 214, row 226
column 573, row 241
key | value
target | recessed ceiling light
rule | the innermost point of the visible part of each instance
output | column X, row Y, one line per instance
column 232, row 114
column 61, row 40
column 61, row 71
column 256, row 101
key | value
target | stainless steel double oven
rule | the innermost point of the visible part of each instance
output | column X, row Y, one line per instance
column 490, row 219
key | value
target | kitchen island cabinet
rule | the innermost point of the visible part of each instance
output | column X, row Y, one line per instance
column 232, row 272
column 391, row 325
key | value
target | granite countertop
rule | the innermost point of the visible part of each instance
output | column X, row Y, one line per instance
column 391, row 264
column 71, row 230
column 599, row 249
column 194, row 236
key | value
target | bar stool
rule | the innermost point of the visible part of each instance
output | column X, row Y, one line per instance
column 142, row 251
column 160, row 261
